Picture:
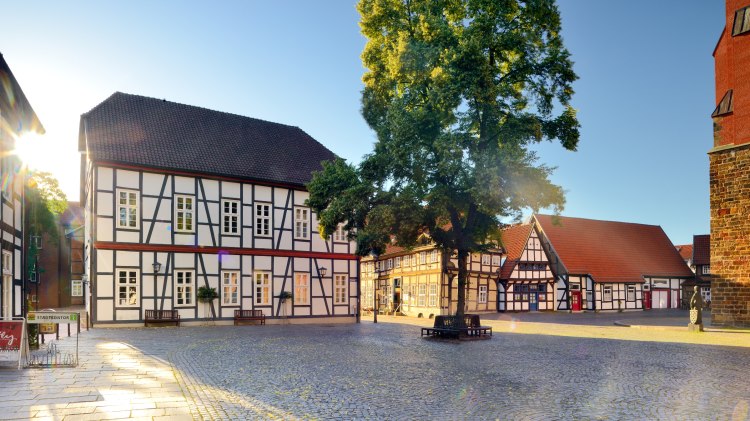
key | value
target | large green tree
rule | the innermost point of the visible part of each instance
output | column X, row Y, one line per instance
column 45, row 202
column 456, row 92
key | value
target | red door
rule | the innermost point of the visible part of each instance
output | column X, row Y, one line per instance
column 575, row 300
column 647, row 300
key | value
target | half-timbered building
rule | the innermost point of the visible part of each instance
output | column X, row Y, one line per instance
column 179, row 197
column 605, row 265
column 16, row 119
column 422, row 281
column 527, row 282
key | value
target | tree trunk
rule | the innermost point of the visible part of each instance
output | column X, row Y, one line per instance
column 461, row 285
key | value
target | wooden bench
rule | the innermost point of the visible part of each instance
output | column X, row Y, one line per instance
column 447, row 327
column 249, row 315
column 162, row 316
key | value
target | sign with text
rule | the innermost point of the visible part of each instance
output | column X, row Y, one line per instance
column 11, row 334
column 38, row 317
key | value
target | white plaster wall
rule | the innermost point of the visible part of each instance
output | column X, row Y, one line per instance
column 128, row 179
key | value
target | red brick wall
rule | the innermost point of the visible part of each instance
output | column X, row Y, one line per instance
column 729, row 170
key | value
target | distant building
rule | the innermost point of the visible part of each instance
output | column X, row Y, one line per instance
column 16, row 119
column 61, row 262
column 179, row 197
column 423, row 281
column 563, row 263
column 686, row 252
column 729, row 171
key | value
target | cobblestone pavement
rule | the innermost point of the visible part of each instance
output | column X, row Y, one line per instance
column 386, row 371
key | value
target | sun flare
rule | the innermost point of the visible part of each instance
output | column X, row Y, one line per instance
column 31, row 151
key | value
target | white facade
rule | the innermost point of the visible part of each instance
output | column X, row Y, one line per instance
column 11, row 227
column 530, row 286
column 249, row 241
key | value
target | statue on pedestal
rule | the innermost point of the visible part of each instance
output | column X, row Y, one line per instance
column 696, row 311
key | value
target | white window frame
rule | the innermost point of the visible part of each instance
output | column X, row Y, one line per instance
column 389, row 264
column 262, row 288
column 128, row 208
column 7, row 262
column 185, row 213
column 230, row 287
column 432, row 297
column 482, row 295
column 423, row 257
column 76, row 288
column 301, row 223
column 339, row 235
column 262, row 223
column 433, row 256
column 495, row 260
column 630, row 293
column 397, row 262
column 706, row 270
column 230, row 218
column 184, row 288
column 421, row 295
column 301, row 288
column 486, row 259
column 340, row 288
column 131, row 287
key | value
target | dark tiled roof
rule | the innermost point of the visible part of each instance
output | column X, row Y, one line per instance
column 150, row 132
column 514, row 242
column 14, row 107
column 702, row 249
column 613, row 251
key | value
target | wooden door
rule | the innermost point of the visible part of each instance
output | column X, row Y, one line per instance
column 575, row 300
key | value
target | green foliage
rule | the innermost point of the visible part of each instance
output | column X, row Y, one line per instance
column 45, row 202
column 456, row 91
column 206, row 294
column 285, row 295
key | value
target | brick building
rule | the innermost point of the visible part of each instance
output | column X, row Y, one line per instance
column 729, row 169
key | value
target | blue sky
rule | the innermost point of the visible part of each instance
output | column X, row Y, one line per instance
column 644, row 96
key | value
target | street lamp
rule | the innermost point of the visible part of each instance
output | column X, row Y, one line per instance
column 157, row 266
column 322, row 271
column 450, row 268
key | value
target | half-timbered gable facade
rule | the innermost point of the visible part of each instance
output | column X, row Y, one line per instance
column 421, row 281
column 16, row 119
column 604, row 265
column 179, row 197
column 526, row 279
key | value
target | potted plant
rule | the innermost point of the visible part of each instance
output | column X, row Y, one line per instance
column 206, row 295
column 283, row 297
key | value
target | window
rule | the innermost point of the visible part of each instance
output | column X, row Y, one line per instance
column 414, row 260
column 184, row 288
column 607, row 293
column 421, row 294
column 340, row 235
column 496, row 260
column 406, row 260
column 725, row 105
column 262, row 220
column 706, row 270
column 397, row 262
column 631, row 293
column 8, row 173
column 485, row 259
column 433, row 295
column 369, row 298
column 36, row 240
column 482, row 297
column 7, row 262
column 423, row 257
column 76, row 288
column 184, row 213
column 229, row 288
column 301, row 223
column 741, row 21
column 230, row 217
column 127, row 208
column 433, row 256
column 128, row 288
column 262, row 286
column 389, row 264
column 339, row 289
column 301, row 288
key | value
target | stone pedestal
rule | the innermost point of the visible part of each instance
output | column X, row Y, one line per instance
column 695, row 327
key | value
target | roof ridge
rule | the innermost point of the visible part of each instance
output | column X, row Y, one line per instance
column 198, row 107
column 600, row 220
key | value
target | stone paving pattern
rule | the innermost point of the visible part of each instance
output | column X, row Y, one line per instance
column 528, row 370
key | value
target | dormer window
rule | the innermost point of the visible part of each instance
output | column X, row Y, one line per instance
column 741, row 21
column 725, row 105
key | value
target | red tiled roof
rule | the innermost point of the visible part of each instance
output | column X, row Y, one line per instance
column 702, row 249
column 514, row 241
column 685, row 250
column 613, row 251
